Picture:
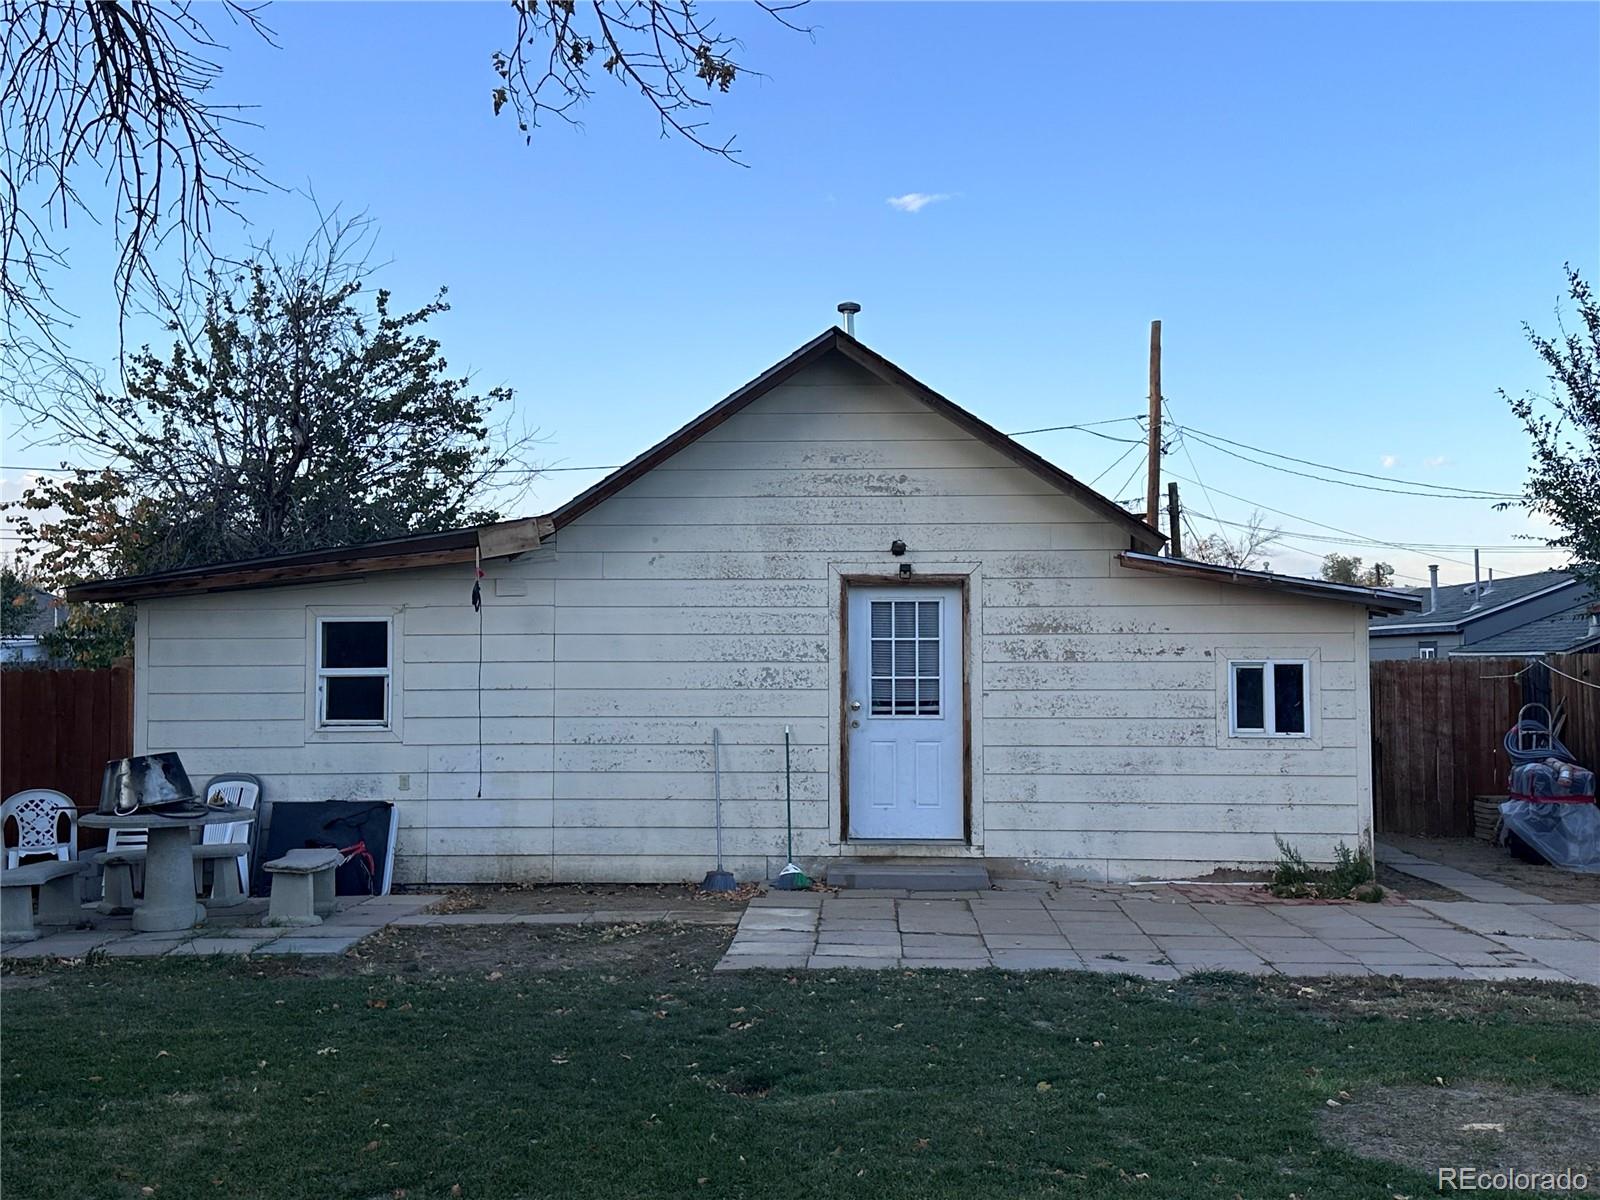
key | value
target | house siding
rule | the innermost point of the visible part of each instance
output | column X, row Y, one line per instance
column 706, row 595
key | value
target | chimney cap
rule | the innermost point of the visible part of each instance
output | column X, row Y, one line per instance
column 849, row 307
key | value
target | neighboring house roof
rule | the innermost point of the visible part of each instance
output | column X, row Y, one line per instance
column 1378, row 600
column 512, row 537
column 1573, row 629
column 1456, row 602
column 48, row 612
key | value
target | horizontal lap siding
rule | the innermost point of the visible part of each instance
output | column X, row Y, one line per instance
column 1096, row 780
column 703, row 597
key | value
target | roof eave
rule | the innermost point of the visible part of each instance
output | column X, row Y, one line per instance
column 502, row 539
column 1375, row 599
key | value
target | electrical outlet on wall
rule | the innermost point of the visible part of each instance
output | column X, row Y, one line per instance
column 405, row 783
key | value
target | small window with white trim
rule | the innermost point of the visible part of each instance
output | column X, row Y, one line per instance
column 1428, row 650
column 1269, row 698
column 353, row 672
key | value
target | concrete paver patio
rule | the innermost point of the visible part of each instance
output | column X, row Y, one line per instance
column 1163, row 932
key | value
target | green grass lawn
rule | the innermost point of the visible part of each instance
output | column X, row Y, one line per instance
column 645, row 1075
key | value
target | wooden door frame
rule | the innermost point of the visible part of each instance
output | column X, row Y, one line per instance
column 963, row 583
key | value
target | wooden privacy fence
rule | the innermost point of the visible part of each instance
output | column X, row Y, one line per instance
column 58, row 728
column 1438, row 727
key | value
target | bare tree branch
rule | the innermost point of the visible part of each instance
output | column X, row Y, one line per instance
column 666, row 50
column 122, row 86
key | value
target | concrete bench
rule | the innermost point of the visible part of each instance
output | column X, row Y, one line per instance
column 302, row 886
column 226, row 887
column 57, row 885
column 116, row 887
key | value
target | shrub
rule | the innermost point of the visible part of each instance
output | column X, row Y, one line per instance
column 1351, row 876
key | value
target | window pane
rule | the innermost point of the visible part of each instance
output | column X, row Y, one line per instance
column 928, row 658
column 882, row 662
column 928, row 618
column 880, row 697
column 905, row 618
column 354, row 698
column 905, row 658
column 905, row 697
column 1249, row 704
column 880, row 618
column 1289, row 697
column 355, row 644
column 927, row 697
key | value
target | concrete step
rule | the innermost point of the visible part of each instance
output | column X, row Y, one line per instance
column 934, row 875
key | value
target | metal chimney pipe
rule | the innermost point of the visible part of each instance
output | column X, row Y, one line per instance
column 1477, row 584
column 849, row 309
column 1489, row 586
column 1433, row 587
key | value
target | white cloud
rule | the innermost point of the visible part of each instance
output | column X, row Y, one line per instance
column 1437, row 461
column 1390, row 461
column 913, row 202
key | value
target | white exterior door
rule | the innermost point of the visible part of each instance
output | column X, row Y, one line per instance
column 904, row 713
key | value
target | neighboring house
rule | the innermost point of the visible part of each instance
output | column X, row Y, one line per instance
column 1544, row 613
column 976, row 657
column 24, row 646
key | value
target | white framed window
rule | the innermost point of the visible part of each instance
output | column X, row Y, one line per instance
column 906, row 640
column 1269, row 698
column 355, row 672
column 1428, row 650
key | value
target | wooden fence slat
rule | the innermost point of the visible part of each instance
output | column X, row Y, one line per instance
column 59, row 727
column 1438, row 727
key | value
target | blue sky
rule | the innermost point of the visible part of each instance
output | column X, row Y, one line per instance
column 1340, row 213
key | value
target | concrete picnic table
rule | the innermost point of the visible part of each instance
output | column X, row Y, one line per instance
column 168, row 902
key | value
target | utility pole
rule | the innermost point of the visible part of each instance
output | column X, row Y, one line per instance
column 1174, row 541
column 1152, row 489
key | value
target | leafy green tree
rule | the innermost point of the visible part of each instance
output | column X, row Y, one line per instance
column 1347, row 568
column 1563, row 483
column 297, row 412
column 19, row 602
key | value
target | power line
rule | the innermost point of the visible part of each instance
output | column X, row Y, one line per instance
column 1414, row 546
column 1085, row 427
column 1366, row 487
column 1320, row 524
column 1113, row 465
column 1306, row 462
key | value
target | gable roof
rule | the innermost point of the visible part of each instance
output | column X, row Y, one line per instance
column 1560, row 633
column 1456, row 603
column 836, row 340
column 513, row 537
column 1375, row 599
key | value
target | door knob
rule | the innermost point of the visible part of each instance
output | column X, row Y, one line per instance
column 855, row 706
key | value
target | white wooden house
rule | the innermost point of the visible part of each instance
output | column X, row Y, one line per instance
column 977, row 657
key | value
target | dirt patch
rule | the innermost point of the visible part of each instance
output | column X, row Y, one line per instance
column 420, row 952
column 1488, row 861
column 1413, row 888
column 621, row 897
column 1483, row 1126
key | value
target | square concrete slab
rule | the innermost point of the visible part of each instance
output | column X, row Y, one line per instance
column 304, row 945
column 939, row 945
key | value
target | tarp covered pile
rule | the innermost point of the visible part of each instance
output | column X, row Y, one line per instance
column 1551, row 810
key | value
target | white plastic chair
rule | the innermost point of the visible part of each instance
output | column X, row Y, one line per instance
column 242, row 791
column 38, row 813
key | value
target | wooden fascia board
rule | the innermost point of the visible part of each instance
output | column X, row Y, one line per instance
column 506, row 539
column 266, row 576
column 1374, row 600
